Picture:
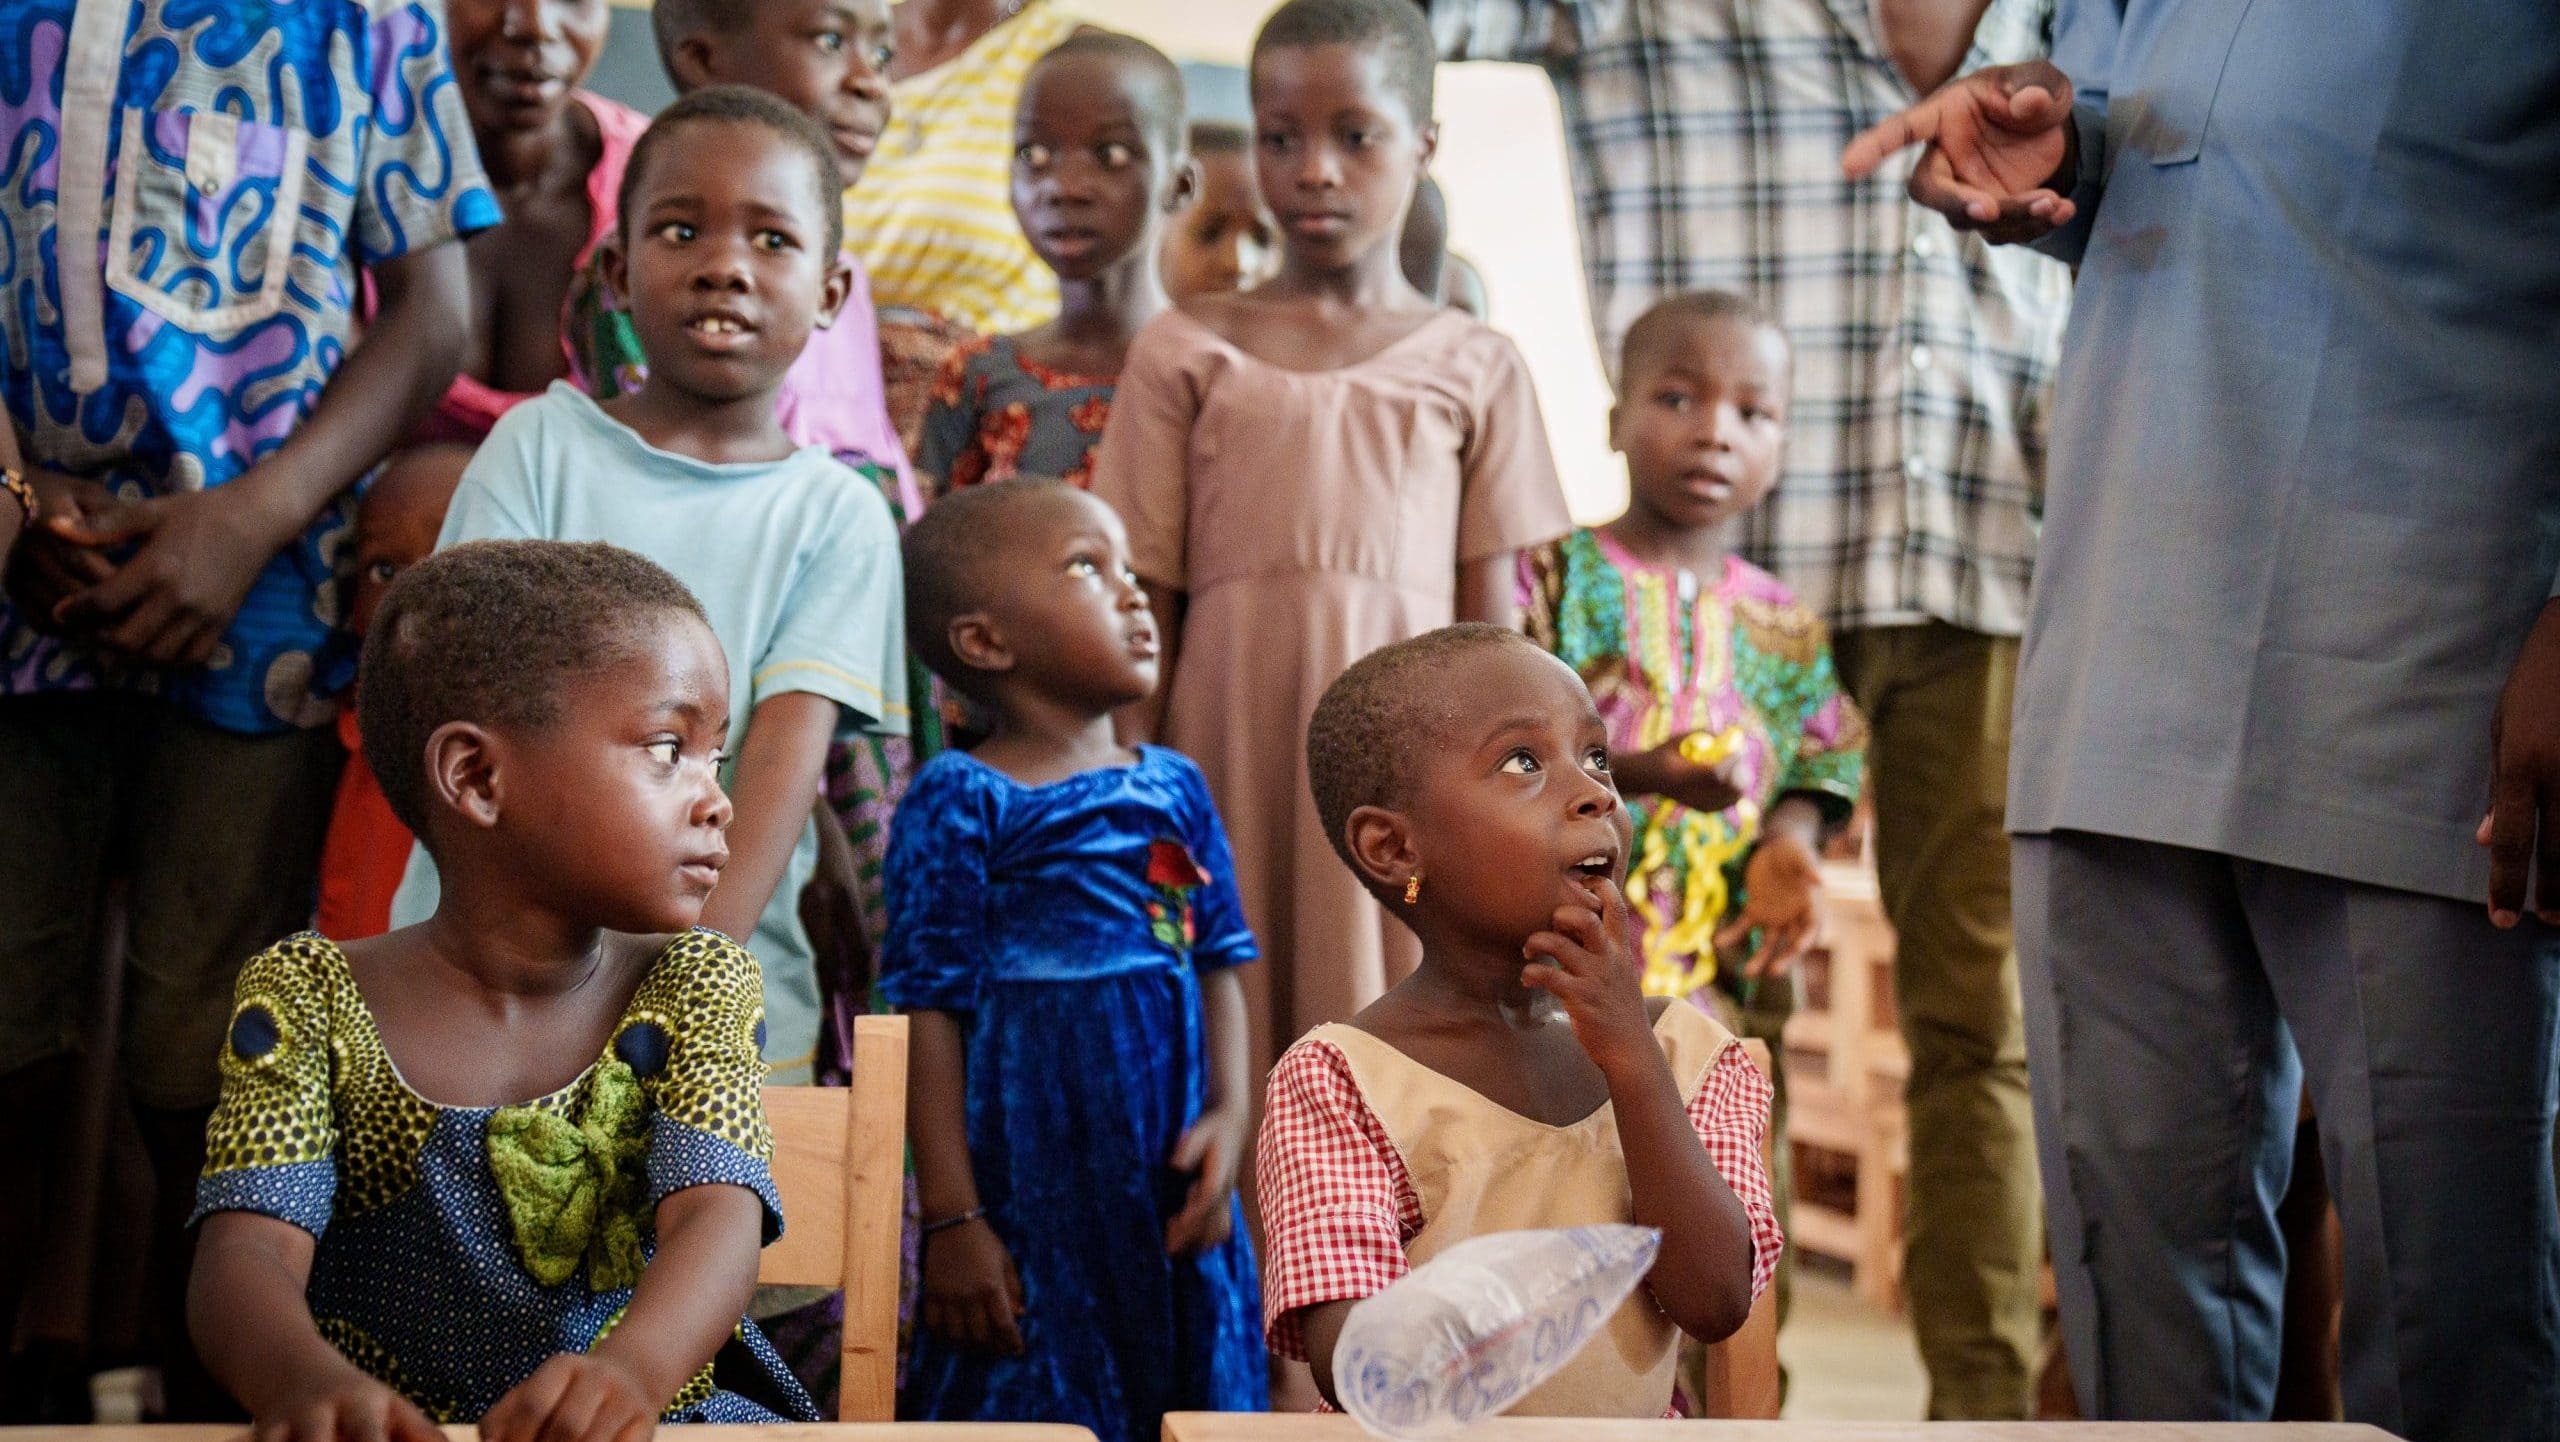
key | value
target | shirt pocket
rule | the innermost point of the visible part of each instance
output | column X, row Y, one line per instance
column 206, row 211
column 2183, row 76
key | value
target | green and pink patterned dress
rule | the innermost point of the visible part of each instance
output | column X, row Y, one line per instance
column 1667, row 652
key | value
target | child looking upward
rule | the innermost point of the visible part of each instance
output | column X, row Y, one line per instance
column 1064, row 928
column 509, row 1166
column 1314, row 468
column 1679, row 640
column 1226, row 239
column 728, row 253
column 1464, row 778
column 1097, row 164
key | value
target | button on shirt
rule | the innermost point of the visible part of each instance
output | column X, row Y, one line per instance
column 2306, row 500
column 230, row 167
column 1704, row 138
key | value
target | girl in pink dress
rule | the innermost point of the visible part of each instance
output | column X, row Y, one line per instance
column 1311, row 470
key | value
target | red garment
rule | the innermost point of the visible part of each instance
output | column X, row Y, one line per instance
column 1338, row 1205
column 367, row 849
column 471, row 407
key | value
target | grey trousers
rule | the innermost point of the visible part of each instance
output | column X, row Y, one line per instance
column 2175, row 1001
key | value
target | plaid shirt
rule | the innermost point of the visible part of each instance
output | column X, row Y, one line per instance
column 1705, row 140
column 1338, row 1205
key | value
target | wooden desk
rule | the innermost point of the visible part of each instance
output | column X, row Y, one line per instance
column 778, row 1432
column 1241, row 1427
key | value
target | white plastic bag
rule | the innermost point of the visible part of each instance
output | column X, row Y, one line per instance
column 1480, row 1326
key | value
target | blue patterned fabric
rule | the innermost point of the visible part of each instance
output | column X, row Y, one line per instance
column 420, row 1273
column 258, row 153
column 1065, row 926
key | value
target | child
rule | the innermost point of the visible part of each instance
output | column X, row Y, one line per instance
column 1227, row 240
column 728, row 253
column 509, row 1166
column 1314, row 468
column 1679, row 639
column 1064, row 928
column 1098, row 163
column 830, row 60
column 367, row 847
column 1465, row 776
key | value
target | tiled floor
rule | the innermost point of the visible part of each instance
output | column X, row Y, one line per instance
column 1845, row 1359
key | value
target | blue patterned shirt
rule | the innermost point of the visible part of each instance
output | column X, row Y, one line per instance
column 237, row 162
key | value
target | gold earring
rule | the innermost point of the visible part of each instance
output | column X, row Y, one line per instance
column 1413, row 888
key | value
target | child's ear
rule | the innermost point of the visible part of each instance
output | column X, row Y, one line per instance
column 462, row 772
column 614, row 264
column 1430, row 142
column 839, row 289
column 979, row 643
column 694, row 63
column 1616, row 444
column 1185, row 187
column 1381, row 847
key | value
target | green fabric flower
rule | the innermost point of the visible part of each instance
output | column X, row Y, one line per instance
column 574, row 1186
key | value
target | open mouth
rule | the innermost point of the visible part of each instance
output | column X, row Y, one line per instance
column 1598, row 866
column 718, row 329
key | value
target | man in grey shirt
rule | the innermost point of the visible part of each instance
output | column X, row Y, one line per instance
column 2291, row 633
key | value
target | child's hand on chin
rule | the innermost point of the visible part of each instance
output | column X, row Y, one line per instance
column 344, row 1403
column 574, row 1397
column 1596, row 975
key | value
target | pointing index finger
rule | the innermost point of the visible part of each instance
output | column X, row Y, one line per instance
column 1916, row 125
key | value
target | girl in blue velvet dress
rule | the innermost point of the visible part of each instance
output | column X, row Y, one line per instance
column 1064, row 929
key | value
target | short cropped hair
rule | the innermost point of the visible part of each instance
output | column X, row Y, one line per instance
column 1380, row 716
column 670, row 21
column 1673, row 311
column 1396, row 28
column 950, row 554
column 1220, row 137
column 741, row 105
column 1164, row 114
column 487, row 631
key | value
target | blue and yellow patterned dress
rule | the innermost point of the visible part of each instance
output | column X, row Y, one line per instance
column 1065, row 928
column 459, row 1248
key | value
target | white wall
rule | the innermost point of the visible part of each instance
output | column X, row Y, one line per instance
column 1501, row 165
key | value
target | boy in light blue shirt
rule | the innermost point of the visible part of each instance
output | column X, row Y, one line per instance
column 727, row 250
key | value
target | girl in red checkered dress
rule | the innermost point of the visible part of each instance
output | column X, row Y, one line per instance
column 1520, row 1078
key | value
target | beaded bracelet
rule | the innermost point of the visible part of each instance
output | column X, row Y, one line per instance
column 947, row 1223
column 16, row 485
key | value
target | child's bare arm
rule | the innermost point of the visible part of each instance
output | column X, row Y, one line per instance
column 1144, row 720
column 972, row 1294
column 1702, row 1278
column 687, row 1303
column 1321, row 1326
column 1214, row 1144
column 251, row 1324
column 780, row 762
column 1488, row 589
column 201, row 550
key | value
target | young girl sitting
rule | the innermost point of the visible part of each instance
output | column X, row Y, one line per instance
column 1314, row 468
column 509, row 1165
column 1064, row 927
column 1465, row 775
column 1098, row 164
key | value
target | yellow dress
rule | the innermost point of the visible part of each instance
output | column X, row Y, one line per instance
column 932, row 219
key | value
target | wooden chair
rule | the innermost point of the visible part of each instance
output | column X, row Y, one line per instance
column 1740, row 1377
column 839, row 1161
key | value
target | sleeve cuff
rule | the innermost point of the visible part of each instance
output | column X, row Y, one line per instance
column 681, row 1157
column 881, row 713
column 301, row 1193
column 2088, row 185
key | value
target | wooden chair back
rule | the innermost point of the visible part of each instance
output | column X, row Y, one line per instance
column 1741, row 1378
column 839, row 1161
